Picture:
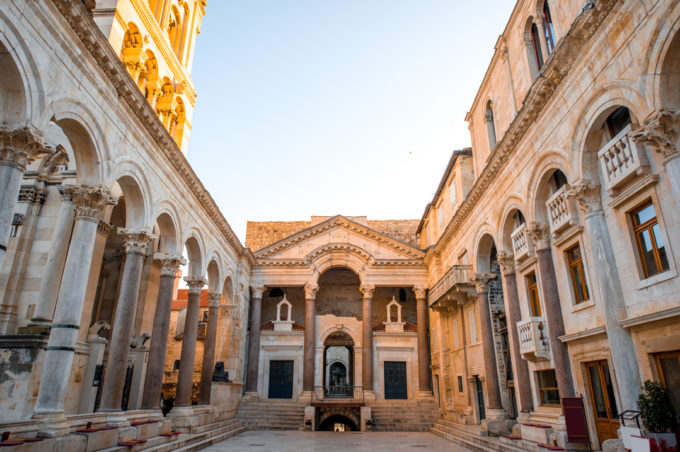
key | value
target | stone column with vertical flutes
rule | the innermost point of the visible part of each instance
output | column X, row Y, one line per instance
column 187, row 357
column 310, row 336
column 90, row 202
column 159, row 334
column 493, row 390
column 521, row 375
column 367, row 336
column 423, row 348
column 610, row 294
column 254, row 338
column 209, row 349
column 539, row 233
column 135, row 244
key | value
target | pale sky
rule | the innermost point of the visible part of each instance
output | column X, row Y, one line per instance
column 325, row 107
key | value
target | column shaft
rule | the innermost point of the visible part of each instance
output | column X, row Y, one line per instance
column 310, row 337
column 488, row 349
column 254, row 339
column 423, row 355
column 209, row 350
column 10, row 178
column 188, row 354
column 367, row 338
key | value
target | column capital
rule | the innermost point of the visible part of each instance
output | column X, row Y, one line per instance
column 66, row 193
column 539, row 233
column 660, row 132
column 311, row 290
column 257, row 291
column 367, row 290
column 195, row 284
column 90, row 201
column 506, row 260
column 169, row 264
column 135, row 241
column 214, row 298
column 481, row 281
column 21, row 146
column 587, row 195
column 420, row 291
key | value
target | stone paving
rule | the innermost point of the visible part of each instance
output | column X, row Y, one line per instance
column 294, row 441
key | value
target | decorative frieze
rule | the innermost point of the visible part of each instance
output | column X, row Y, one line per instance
column 21, row 146
column 32, row 194
column 660, row 132
column 90, row 201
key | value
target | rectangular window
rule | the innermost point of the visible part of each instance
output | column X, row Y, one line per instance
column 454, row 332
column 460, row 383
column 534, row 301
column 547, row 387
column 577, row 274
column 472, row 326
column 650, row 245
column 452, row 191
column 440, row 215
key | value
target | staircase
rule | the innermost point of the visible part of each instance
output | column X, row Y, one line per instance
column 469, row 436
column 403, row 416
column 256, row 414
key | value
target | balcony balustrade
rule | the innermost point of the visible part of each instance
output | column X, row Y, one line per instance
column 622, row 159
column 562, row 211
column 533, row 339
column 338, row 396
column 522, row 244
column 457, row 279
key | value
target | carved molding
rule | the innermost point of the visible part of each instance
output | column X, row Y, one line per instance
column 90, row 201
column 32, row 194
column 587, row 195
column 169, row 264
column 660, row 132
column 21, row 146
column 311, row 290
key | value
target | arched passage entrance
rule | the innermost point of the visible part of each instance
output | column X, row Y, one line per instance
column 338, row 365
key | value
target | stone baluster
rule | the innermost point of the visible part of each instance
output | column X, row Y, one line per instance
column 660, row 133
column 610, row 294
column 18, row 147
column 187, row 357
column 209, row 349
column 424, row 383
column 54, row 267
column 539, row 233
column 135, row 244
column 481, row 281
column 159, row 334
column 254, row 339
column 90, row 203
column 367, row 337
column 521, row 375
column 310, row 336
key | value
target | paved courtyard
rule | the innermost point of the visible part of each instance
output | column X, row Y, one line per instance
column 331, row 442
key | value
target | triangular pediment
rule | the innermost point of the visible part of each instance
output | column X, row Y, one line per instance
column 337, row 234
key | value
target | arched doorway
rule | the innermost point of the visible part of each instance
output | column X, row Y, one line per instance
column 338, row 423
column 339, row 365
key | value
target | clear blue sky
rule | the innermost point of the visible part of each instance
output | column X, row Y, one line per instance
column 324, row 107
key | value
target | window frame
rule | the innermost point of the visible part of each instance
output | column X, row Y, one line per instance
column 648, row 225
column 578, row 265
column 549, row 27
column 536, row 310
column 541, row 390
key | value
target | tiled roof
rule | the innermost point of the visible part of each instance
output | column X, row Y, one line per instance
column 180, row 302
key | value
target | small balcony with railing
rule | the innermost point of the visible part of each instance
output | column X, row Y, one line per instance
column 522, row 245
column 562, row 211
column 621, row 160
column 534, row 344
column 456, row 283
column 344, row 396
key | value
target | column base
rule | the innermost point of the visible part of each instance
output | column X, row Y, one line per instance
column 53, row 425
column 424, row 396
column 497, row 423
column 116, row 419
column 369, row 396
column 305, row 396
column 186, row 418
column 251, row 395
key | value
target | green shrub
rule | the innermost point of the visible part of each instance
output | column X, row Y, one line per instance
column 655, row 406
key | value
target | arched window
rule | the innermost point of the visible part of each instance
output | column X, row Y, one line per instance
column 557, row 180
column 275, row 292
column 402, row 295
column 175, row 366
column 549, row 28
column 535, row 40
column 517, row 219
column 616, row 122
column 490, row 126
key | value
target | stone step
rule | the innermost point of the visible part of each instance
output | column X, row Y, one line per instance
column 455, row 433
column 196, row 441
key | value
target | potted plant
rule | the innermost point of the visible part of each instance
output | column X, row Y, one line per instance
column 656, row 413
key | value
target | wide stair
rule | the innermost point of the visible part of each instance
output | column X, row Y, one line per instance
column 403, row 416
column 256, row 414
column 469, row 436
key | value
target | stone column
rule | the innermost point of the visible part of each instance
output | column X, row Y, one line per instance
column 188, row 354
column 660, row 133
column 18, row 147
column 135, row 244
column 90, row 203
column 367, row 337
column 493, row 391
column 254, row 339
column 423, row 349
column 521, row 375
column 209, row 349
column 550, row 297
column 310, row 336
column 610, row 294
column 54, row 267
column 159, row 335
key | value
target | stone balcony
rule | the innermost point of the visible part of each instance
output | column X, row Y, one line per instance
column 522, row 245
column 562, row 211
column 533, row 339
column 621, row 160
column 456, row 282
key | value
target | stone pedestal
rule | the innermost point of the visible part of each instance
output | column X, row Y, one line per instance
column 310, row 418
column 97, row 346
column 187, row 419
column 139, row 356
column 496, row 423
column 366, row 419
column 225, row 397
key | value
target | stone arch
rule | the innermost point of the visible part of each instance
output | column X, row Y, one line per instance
column 506, row 221
column 134, row 177
column 329, row 256
column 168, row 226
column 324, row 335
column 534, row 53
column 194, row 248
column 214, row 272
column 228, row 290
column 132, row 39
column 538, row 192
column 484, row 245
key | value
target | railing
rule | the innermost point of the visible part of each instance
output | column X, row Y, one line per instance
column 533, row 339
column 562, row 211
column 457, row 274
column 621, row 159
column 521, row 243
column 338, row 395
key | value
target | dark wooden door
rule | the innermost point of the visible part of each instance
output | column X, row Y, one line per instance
column 480, row 397
column 602, row 400
column 280, row 379
column 668, row 365
column 395, row 380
